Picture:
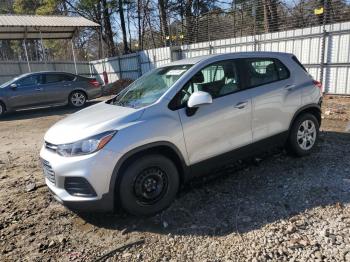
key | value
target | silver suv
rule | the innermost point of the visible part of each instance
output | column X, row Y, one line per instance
column 176, row 122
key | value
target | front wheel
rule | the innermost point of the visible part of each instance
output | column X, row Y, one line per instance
column 148, row 185
column 77, row 99
column 303, row 135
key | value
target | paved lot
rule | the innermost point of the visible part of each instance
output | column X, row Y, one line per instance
column 273, row 208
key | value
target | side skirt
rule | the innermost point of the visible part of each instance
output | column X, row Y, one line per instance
column 38, row 107
column 204, row 167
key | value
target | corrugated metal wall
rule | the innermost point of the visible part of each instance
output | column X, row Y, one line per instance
column 131, row 66
column 120, row 67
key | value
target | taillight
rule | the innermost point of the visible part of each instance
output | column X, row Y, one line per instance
column 94, row 82
column 317, row 84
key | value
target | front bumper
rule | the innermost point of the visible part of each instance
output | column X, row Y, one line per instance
column 96, row 169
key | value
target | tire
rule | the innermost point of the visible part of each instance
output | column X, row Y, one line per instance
column 2, row 109
column 77, row 99
column 303, row 135
column 154, row 173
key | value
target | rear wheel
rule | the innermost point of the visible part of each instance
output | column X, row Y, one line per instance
column 303, row 135
column 148, row 185
column 77, row 99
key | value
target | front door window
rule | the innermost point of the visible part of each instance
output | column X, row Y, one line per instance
column 28, row 81
column 218, row 79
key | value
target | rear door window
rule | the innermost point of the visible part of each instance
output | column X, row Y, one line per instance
column 53, row 78
column 67, row 77
column 261, row 71
column 283, row 72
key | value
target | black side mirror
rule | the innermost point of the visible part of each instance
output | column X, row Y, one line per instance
column 13, row 86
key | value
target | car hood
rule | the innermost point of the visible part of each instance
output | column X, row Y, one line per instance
column 91, row 121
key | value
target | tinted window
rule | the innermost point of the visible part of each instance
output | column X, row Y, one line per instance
column 217, row 79
column 53, row 78
column 260, row 71
column 67, row 77
column 282, row 71
column 28, row 81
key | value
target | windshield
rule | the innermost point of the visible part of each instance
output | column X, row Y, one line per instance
column 150, row 87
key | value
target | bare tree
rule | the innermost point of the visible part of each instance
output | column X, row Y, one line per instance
column 163, row 20
column 108, row 28
column 139, row 29
column 189, row 20
column 270, row 15
column 123, row 26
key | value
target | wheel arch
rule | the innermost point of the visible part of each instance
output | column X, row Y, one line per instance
column 313, row 109
column 164, row 148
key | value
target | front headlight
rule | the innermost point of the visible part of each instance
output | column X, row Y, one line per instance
column 86, row 146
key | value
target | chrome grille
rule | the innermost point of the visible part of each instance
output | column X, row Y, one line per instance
column 48, row 171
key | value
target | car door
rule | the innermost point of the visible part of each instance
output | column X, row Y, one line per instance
column 275, row 96
column 225, row 124
column 57, row 87
column 27, row 93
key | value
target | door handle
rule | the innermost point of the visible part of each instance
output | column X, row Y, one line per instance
column 289, row 87
column 39, row 89
column 241, row 105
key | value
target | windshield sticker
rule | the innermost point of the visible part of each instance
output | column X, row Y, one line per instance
column 175, row 72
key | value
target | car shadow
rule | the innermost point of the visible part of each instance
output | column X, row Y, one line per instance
column 248, row 195
column 43, row 112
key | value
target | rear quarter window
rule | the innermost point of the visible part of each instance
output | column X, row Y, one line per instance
column 52, row 78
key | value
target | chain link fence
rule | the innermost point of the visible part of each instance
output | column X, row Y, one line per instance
column 254, row 17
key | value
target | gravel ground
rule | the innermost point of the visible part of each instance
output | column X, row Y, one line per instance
column 274, row 207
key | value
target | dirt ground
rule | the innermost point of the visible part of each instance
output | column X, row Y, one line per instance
column 274, row 207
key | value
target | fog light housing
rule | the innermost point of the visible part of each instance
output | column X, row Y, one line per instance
column 79, row 186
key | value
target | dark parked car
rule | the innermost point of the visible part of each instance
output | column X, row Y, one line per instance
column 46, row 89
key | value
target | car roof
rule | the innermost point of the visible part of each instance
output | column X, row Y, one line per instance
column 45, row 72
column 52, row 72
column 197, row 59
